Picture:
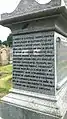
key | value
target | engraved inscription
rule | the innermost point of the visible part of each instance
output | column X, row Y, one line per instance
column 33, row 62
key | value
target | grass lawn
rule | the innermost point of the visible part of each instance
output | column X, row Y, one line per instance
column 5, row 79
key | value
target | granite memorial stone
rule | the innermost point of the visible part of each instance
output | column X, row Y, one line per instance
column 33, row 62
column 39, row 31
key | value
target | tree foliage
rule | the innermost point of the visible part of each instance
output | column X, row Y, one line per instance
column 4, row 43
column 8, row 42
column 0, row 42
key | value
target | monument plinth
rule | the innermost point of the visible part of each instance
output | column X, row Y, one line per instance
column 39, row 60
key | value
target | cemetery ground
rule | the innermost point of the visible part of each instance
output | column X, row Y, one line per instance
column 5, row 79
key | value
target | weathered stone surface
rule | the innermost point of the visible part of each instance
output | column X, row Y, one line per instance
column 33, row 62
column 22, row 104
column 26, row 7
column 4, row 55
column 12, row 112
column 61, row 46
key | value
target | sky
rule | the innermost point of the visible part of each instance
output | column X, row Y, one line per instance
column 6, row 6
column 43, row 1
column 9, row 6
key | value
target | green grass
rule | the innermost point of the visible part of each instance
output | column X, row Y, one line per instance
column 5, row 79
column 5, row 70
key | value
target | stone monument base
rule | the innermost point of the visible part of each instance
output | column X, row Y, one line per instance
column 28, row 105
column 13, row 112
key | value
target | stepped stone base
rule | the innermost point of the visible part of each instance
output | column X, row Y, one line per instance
column 13, row 112
column 27, row 105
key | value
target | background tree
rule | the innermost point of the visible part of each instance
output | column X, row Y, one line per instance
column 9, row 40
column 0, row 42
column 4, row 43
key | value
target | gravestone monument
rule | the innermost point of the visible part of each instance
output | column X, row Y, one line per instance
column 39, row 60
column 4, row 55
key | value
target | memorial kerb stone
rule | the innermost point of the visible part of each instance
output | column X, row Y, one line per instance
column 39, row 60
